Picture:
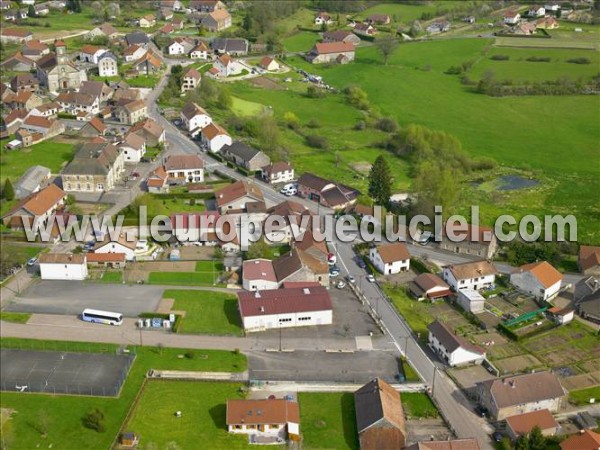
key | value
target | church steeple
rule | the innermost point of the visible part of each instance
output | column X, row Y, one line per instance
column 61, row 52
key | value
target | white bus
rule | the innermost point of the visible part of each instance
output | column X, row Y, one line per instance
column 96, row 316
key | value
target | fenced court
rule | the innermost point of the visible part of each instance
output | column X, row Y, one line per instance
column 95, row 374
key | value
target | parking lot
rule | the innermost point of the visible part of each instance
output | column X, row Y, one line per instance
column 72, row 297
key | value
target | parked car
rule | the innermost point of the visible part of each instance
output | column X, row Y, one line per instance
column 497, row 436
column 351, row 279
column 370, row 278
column 32, row 262
column 341, row 285
column 291, row 192
column 361, row 264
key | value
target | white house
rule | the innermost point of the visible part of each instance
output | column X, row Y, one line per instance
column 63, row 266
column 471, row 300
column 133, row 53
column 538, row 279
column 452, row 349
column 259, row 275
column 91, row 53
column 323, row 18
column 227, row 66
column 537, row 11
column 511, row 17
column 185, row 168
column 274, row 419
column 390, row 258
column 108, row 65
column 200, row 51
column 195, row 118
column 285, row 308
column 214, row 137
column 471, row 275
column 554, row 7
column 279, row 172
column 560, row 315
column 133, row 147
column 122, row 245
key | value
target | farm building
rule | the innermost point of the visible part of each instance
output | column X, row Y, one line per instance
column 452, row 349
column 328, row 52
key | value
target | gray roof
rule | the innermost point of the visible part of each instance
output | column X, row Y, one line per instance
column 30, row 180
column 137, row 37
column 229, row 45
column 287, row 264
column 107, row 55
column 241, row 150
column 377, row 401
column 449, row 340
column 92, row 159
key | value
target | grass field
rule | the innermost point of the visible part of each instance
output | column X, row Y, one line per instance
column 246, row 108
column 328, row 421
column 182, row 278
column 416, row 314
column 63, row 414
column 301, row 41
column 207, row 312
column 14, row 163
column 202, row 421
column 414, row 89
column 142, row 81
column 15, row 317
column 157, row 205
column 17, row 254
column 583, row 396
column 418, row 405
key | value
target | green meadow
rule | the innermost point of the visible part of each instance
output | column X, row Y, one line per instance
column 529, row 133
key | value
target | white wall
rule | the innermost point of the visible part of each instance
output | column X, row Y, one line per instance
column 528, row 283
column 218, row 142
column 470, row 283
column 457, row 357
column 260, row 285
column 388, row 269
column 260, row 323
column 471, row 300
column 197, row 175
column 116, row 247
column 63, row 271
column 198, row 121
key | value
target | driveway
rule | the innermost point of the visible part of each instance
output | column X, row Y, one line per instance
column 72, row 297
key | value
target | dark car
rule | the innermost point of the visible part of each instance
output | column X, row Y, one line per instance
column 361, row 264
column 497, row 436
column 481, row 411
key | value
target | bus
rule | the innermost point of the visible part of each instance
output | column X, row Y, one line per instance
column 96, row 316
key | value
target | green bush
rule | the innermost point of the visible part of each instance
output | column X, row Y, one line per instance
column 500, row 57
column 579, row 61
column 94, row 420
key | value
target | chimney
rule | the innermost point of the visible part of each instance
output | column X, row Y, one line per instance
column 257, row 295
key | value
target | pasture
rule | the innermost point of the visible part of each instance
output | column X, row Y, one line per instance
column 206, row 312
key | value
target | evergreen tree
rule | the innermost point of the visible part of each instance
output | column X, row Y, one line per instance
column 8, row 191
column 31, row 11
column 380, row 182
column 522, row 443
column 537, row 441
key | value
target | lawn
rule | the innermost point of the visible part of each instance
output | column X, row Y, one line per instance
column 328, row 421
column 302, row 41
column 416, row 404
column 209, row 266
column 157, row 205
column 63, row 414
column 15, row 317
column 583, row 396
column 206, row 312
column 16, row 255
column 142, row 81
column 246, row 108
column 112, row 277
column 14, row 163
column 202, row 421
column 417, row 314
column 183, row 278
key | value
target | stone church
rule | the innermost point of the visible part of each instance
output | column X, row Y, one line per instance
column 57, row 73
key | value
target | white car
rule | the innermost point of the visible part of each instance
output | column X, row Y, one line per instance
column 32, row 262
column 291, row 192
column 371, row 278
column 341, row 285
column 351, row 279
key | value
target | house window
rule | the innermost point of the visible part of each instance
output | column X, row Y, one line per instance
column 238, row 427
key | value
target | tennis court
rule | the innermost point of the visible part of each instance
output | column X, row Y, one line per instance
column 96, row 374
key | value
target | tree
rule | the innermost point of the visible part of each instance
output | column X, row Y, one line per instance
column 259, row 249
column 416, row 28
column 94, row 420
column 386, row 46
column 522, row 443
column 8, row 191
column 31, row 11
column 114, row 10
column 537, row 441
column 436, row 184
column 98, row 7
column 380, row 181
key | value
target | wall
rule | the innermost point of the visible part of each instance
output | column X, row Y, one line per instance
column 63, row 271
column 274, row 321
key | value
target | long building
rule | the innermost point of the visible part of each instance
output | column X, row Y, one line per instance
column 285, row 308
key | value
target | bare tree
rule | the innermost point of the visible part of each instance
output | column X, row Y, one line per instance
column 113, row 10
column 386, row 46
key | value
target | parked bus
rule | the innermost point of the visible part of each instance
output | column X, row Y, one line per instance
column 96, row 316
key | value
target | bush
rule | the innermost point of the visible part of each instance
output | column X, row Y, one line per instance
column 316, row 141
column 538, row 59
column 387, row 124
column 313, row 123
column 94, row 420
column 315, row 92
column 454, row 70
column 579, row 61
column 190, row 355
column 500, row 57
column 360, row 125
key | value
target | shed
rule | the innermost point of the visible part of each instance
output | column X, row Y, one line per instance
column 129, row 439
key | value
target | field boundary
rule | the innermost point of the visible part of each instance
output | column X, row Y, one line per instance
column 125, row 421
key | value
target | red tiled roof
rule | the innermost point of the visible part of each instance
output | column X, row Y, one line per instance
column 544, row 272
column 105, row 257
column 273, row 411
column 259, row 269
column 333, row 47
